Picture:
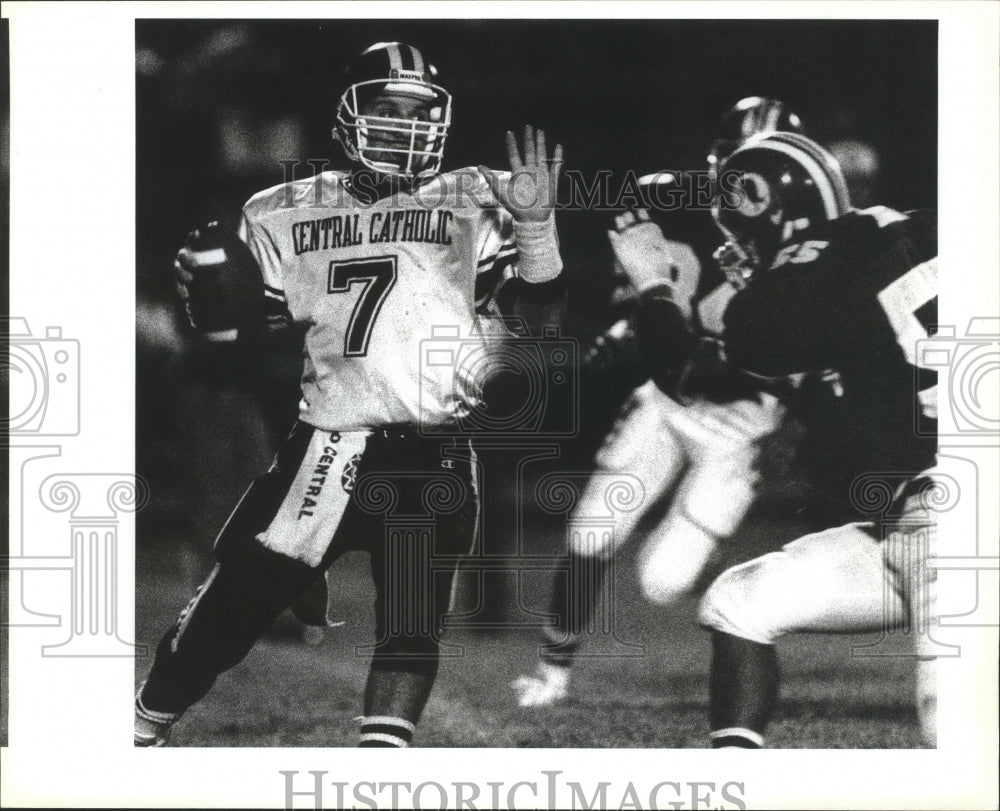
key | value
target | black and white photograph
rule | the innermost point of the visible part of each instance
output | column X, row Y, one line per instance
column 569, row 384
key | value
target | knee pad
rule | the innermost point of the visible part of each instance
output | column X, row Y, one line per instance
column 605, row 516
column 745, row 601
column 664, row 586
column 674, row 559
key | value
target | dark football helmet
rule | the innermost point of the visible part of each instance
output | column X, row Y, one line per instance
column 772, row 187
column 748, row 117
column 390, row 144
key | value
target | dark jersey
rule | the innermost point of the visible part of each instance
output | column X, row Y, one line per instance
column 840, row 314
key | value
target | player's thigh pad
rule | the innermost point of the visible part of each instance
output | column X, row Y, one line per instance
column 313, row 497
column 638, row 443
column 423, row 495
column 609, row 507
column 263, row 499
column 639, row 462
column 834, row 581
column 674, row 556
column 718, row 489
column 717, row 492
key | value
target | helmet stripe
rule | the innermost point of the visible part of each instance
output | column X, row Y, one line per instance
column 773, row 114
column 418, row 60
column 395, row 57
column 822, row 180
column 825, row 160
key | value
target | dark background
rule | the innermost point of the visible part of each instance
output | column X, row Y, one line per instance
column 221, row 103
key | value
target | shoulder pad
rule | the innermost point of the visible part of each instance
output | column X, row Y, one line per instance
column 459, row 188
column 296, row 194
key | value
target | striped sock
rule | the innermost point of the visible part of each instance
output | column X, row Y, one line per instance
column 386, row 730
column 152, row 728
column 736, row 738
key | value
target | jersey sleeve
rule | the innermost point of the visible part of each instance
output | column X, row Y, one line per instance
column 664, row 336
column 496, row 260
column 277, row 317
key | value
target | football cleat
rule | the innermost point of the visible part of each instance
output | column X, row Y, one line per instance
column 548, row 685
column 150, row 733
column 151, row 728
column 385, row 141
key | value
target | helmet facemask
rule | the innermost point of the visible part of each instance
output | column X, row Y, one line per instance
column 390, row 145
column 736, row 262
column 751, row 225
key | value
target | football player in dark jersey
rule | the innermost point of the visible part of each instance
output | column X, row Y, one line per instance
column 697, row 463
column 833, row 305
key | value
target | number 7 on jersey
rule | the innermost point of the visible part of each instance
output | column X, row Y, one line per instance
column 378, row 275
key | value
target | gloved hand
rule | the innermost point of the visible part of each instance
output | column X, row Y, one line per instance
column 647, row 258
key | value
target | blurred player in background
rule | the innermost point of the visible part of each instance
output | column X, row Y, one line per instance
column 365, row 263
column 698, row 449
column 835, row 305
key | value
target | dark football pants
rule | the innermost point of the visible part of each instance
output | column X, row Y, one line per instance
column 411, row 504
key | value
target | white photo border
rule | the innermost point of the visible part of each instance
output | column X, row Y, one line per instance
column 72, row 263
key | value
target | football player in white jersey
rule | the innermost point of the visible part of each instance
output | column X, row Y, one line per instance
column 700, row 450
column 837, row 303
column 367, row 264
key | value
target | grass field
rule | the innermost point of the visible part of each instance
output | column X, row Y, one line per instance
column 287, row 693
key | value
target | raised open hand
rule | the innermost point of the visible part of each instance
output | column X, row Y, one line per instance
column 529, row 192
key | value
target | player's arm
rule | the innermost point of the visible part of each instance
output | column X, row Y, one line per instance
column 665, row 275
column 221, row 284
column 615, row 349
column 638, row 242
column 528, row 193
column 665, row 339
column 277, row 327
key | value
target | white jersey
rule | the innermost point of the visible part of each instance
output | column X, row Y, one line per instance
column 392, row 293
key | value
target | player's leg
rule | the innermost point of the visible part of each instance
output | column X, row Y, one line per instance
column 723, row 442
column 833, row 581
column 639, row 450
column 710, row 503
column 911, row 541
column 920, row 589
column 265, row 561
column 413, row 589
